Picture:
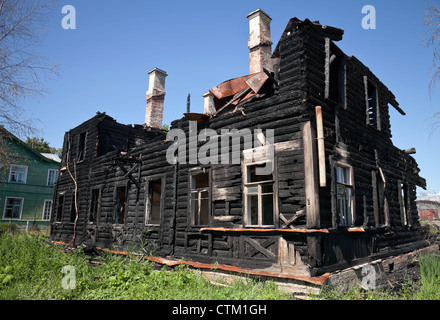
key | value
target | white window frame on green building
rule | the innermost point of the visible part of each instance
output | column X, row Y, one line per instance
column 12, row 208
column 52, row 177
column 18, row 176
column 47, row 210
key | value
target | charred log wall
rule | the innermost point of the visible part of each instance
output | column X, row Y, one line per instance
column 124, row 158
column 282, row 112
column 367, row 149
column 106, row 172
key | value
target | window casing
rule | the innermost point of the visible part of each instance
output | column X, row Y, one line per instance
column 379, row 203
column 200, row 206
column 18, row 174
column 52, row 177
column 258, row 196
column 403, row 200
column 47, row 210
column 372, row 102
column 344, row 195
column 13, row 208
column 95, row 205
column 154, row 202
column 81, row 146
column 335, row 74
column 60, row 208
column 120, row 207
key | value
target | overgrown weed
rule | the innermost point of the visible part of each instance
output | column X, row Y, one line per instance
column 33, row 265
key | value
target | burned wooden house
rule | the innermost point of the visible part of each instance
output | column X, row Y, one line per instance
column 337, row 193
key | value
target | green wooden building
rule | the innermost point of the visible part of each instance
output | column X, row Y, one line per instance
column 27, row 180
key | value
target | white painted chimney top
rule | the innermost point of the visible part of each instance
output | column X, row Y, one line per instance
column 156, row 81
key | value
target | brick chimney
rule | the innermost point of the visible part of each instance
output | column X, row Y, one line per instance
column 155, row 98
column 260, row 44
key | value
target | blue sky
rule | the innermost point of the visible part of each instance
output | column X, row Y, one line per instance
column 105, row 61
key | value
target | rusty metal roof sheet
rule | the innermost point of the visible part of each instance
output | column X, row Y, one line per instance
column 234, row 91
column 199, row 117
column 257, row 81
column 230, row 87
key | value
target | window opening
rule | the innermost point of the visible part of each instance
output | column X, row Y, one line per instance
column 344, row 188
column 200, row 199
column 259, row 197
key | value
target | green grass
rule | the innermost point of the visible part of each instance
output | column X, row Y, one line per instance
column 430, row 277
column 31, row 268
column 8, row 228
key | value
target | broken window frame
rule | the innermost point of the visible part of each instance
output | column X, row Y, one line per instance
column 95, row 205
column 148, row 199
column 260, row 193
column 335, row 56
column 197, row 193
column 82, row 143
column 60, row 207
column 403, row 196
column 345, row 205
column 379, row 200
column 116, row 203
column 18, row 174
column 372, row 104
column 12, row 207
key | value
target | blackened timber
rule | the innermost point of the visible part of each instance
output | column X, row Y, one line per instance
column 307, row 233
column 311, row 177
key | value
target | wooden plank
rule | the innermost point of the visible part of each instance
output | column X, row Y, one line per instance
column 264, row 230
column 288, row 222
column 321, row 149
column 258, row 247
column 226, row 218
column 264, row 152
column 375, row 198
column 327, row 68
column 402, row 208
column 311, row 177
column 408, row 205
column 314, row 246
column 283, row 251
column 365, row 79
column 227, row 193
column 294, row 256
